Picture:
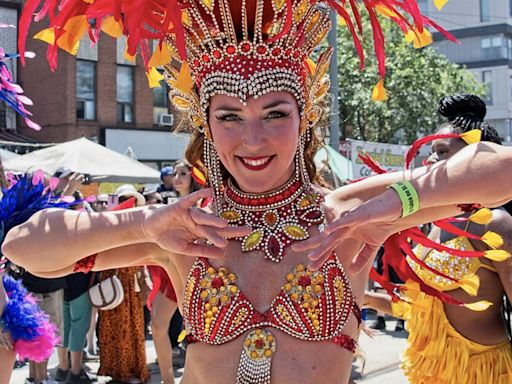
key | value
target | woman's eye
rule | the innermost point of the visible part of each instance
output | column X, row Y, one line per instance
column 276, row 115
column 228, row 117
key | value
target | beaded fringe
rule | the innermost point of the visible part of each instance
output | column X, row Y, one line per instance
column 438, row 354
column 253, row 372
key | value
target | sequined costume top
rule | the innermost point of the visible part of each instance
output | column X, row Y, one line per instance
column 436, row 352
column 311, row 305
column 457, row 267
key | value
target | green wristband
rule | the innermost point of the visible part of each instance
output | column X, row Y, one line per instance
column 408, row 196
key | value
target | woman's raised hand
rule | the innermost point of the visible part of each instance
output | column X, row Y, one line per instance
column 371, row 223
column 182, row 228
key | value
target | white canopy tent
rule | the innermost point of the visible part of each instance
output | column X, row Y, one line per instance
column 85, row 156
column 6, row 155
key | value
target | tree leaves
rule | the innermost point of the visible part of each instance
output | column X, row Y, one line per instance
column 416, row 79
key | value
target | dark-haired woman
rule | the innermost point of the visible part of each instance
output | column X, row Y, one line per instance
column 162, row 300
column 451, row 344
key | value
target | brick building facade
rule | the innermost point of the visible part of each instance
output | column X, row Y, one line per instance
column 101, row 95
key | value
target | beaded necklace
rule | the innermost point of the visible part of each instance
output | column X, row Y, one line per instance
column 278, row 218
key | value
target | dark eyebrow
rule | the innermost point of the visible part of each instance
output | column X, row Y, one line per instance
column 276, row 103
column 228, row 108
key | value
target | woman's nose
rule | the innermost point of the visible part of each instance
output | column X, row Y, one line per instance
column 253, row 136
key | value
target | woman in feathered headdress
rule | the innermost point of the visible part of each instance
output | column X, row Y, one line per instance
column 256, row 308
column 468, row 344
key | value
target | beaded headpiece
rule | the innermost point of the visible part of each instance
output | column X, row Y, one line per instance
column 239, row 48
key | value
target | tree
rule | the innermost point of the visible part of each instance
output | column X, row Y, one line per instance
column 415, row 80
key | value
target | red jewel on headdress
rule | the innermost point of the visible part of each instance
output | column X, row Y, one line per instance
column 206, row 59
column 261, row 50
column 276, row 51
column 217, row 54
column 246, row 47
column 197, row 63
column 230, row 49
column 296, row 54
column 288, row 52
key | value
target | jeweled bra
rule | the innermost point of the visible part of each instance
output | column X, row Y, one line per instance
column 311, row 306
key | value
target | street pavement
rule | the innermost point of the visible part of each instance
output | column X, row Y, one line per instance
column 382, row 359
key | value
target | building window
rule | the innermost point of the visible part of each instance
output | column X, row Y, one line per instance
column 493, row 47
column 160, row 97
column 124, row 87
column 484, row 11
column 85, row 90
column 487, row 81
column 510, row 7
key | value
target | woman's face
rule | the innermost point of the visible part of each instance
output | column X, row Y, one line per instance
column 182, row 180
column 256, row 142
column 443, row 149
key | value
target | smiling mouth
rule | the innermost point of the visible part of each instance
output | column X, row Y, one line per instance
column 255, row 163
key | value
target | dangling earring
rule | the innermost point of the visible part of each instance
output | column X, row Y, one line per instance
column 301, row 171
column 212, row 162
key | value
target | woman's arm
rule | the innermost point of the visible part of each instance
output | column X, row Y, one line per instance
column 477, row 173
column 379, row 301
column 53, row 240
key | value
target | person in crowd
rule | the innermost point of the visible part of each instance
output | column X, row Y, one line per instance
column 77, row 320
column 166, row 189
column 380, row 322
column 49, row 294
column 121, row 329
column 162, row 300
column 450, row 344
column 271, row 273
column 101, row 203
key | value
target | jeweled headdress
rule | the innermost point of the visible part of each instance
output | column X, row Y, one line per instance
column 240, row 48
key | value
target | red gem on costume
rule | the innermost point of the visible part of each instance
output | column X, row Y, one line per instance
column 313, row 215
column 261, row 50
column 304, row 281
column 206, row 59
column 276, row 51
column 197, row 63
column 296, row 54
column 230, row 49
column 217, row 54
column 288, row 52
column 217, row 282
column 259, row 344
column 273, row 246
column 246, row 47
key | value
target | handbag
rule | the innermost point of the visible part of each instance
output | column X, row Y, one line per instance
column 107, row 294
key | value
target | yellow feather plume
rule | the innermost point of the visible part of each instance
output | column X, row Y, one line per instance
column 154, row 77
column 492, row 239
column 473, row 136
column 440, row 3
column 470, row 284
column 479, row 306
column 497, row 255
column 482, row 216
column 379, row 93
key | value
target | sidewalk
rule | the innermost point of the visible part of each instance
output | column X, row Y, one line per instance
column 382, row 361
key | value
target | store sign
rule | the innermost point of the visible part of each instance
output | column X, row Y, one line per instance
column 389, row 156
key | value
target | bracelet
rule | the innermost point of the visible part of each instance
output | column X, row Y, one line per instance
column 408, row 196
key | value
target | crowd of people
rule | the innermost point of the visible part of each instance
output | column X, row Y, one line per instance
column 267, row 265
column 117, row 336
